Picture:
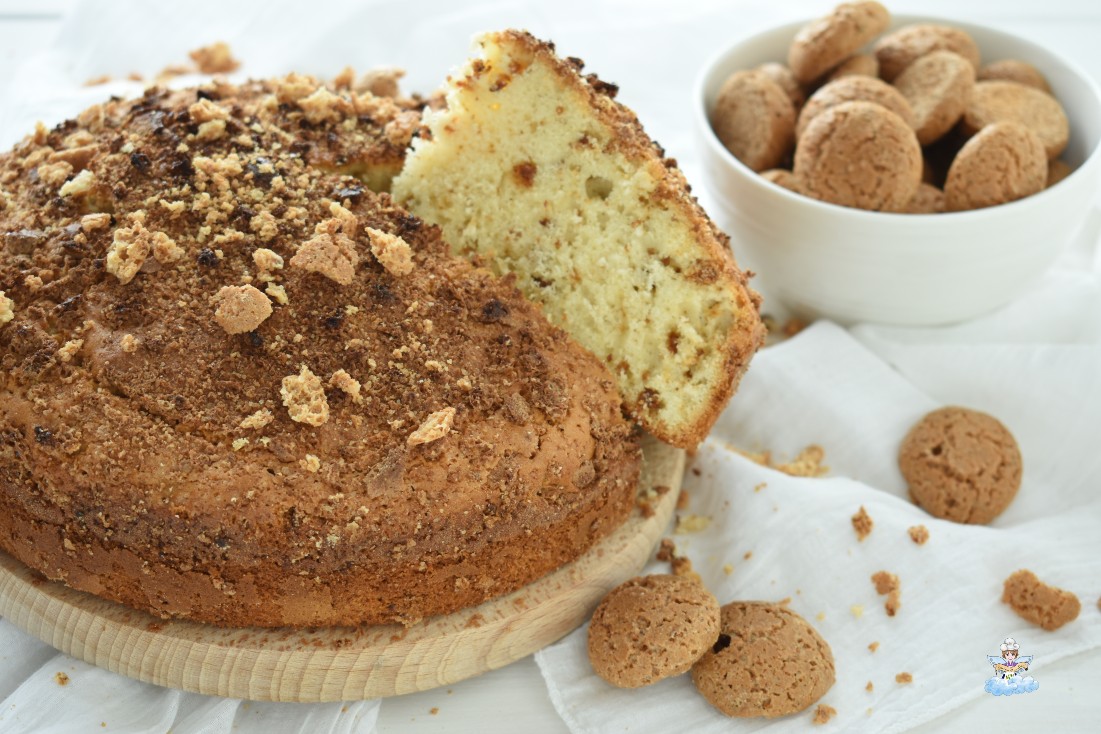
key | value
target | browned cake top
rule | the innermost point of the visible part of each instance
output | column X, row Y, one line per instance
column 217, row 337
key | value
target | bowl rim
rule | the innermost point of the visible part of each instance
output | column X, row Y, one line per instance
column 711, row 140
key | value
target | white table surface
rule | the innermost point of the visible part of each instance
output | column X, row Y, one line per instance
column 514, row 698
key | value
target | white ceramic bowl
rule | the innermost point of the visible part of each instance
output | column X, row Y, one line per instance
column 849, row 265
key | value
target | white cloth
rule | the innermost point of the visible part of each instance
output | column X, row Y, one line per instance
column 1034, row 365
column 856, row 394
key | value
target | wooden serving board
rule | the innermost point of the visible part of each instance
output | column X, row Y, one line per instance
column 346, row 663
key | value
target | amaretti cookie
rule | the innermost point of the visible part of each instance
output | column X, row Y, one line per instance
column 1004, row 162
column 961, row 465
column 783, row 77
column 938, row 86
column 767, row 662
column 1002, row 101
column 853, row 89
column 856, row 65
column 755, row 119
column 927, row 200
column 650, row 628
column 1039, row 603
column 859, row 154
column 828, row 41
column 1012, row 70
column 899, row 49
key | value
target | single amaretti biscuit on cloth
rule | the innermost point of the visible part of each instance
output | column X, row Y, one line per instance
column 650, row 628
column 242, row 388
column 539, row 170
column 768, row 661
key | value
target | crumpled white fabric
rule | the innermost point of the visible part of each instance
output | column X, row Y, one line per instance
column 1035, row 365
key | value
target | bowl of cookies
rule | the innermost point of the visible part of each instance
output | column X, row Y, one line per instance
column 896, row 169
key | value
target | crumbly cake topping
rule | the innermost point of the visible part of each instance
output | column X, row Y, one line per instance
column 351, row 386
column 259, row 419
column 434, row 427
column 241, row 308
column 69, row 349
column 331, row 251
column 305, row 398
column 214, row 59
column 392, row 252
column 173, row 218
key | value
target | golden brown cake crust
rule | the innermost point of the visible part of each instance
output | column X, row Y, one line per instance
column 150, row 457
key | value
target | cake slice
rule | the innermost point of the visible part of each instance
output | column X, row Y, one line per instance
column 538, row 170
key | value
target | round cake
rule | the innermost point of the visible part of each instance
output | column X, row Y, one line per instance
column 241, row 387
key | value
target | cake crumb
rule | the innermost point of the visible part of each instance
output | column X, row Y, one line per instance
column 435, row 426
column 747, row 555
column 91, row 222
column 78, row 185
column 807, row 463
column 128, row 343
column 69, row 349
column 330, row 252
column 61, row 678
column 304, row 397
column 259, row 419
column 129, row 250
column 392, row 252
column 278, row 292
column 904, row 678
column 760, row 486
column 241, row 308
column 267, row 260
column 346, row 383
column 824, row 713
column 7, row 309
column 214, row 59
column 381, row 81
column 323, row 106
column 919, row 534
column 679, row 565
column 434, row 710
column 862, row 524
column 165, row 249
column 873, row 646
column 870, row 687
column 857, row 610
column 887, row 583
column 820, row 616
column 728, row 569
column 793, row 326
column 682, row 499
column 312, row 464
column 1037, row 602
column 691, row 524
